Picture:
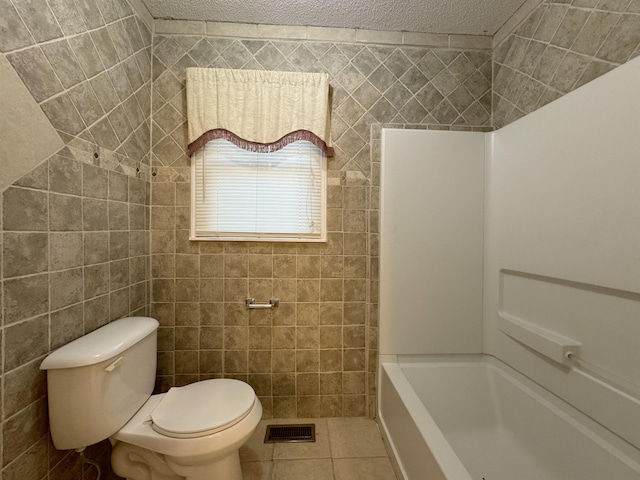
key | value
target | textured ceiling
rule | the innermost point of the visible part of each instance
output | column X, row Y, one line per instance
column 472, row 17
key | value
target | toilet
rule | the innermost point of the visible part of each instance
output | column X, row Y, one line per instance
column 100, row 385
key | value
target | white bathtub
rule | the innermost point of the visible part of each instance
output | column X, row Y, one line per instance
column 474, row 418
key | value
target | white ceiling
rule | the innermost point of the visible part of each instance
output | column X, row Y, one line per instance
column 471, row 17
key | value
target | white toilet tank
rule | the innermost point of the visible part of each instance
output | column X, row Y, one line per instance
column 99, row 381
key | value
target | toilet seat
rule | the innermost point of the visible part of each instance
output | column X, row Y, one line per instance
column 202, row 408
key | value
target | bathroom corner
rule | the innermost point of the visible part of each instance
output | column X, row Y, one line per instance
column 75, row 202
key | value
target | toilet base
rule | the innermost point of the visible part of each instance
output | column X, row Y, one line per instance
column 137, row 463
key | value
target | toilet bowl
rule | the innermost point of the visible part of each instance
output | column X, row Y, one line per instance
column 194, row 432
column 99, row 386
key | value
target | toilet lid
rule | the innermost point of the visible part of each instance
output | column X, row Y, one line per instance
column 202, row 408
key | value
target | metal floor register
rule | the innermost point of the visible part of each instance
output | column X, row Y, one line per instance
column 290, row 433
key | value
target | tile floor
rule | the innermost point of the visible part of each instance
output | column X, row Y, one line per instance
column 345, row 449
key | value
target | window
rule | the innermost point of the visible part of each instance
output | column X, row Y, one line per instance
column 243, row 195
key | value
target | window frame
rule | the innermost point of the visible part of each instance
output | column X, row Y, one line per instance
column 262, row 237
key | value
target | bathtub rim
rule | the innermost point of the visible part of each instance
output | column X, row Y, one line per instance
column 444, row 454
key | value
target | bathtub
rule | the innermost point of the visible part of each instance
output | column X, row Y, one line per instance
column 474, row 418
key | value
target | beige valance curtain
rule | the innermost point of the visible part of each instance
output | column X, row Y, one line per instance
column 257, row 110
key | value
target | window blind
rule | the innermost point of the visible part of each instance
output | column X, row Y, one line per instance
column 247, row 195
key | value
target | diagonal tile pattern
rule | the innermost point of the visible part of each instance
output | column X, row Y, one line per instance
column 558, row 48
column 361, row 76
column 75, row 59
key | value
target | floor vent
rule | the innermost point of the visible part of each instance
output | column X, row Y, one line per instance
column 290, row 433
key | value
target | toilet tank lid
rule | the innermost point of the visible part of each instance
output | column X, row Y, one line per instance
column 101, row 344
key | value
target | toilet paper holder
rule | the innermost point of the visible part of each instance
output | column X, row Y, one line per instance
column 251, row 303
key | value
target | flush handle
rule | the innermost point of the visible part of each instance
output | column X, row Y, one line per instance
column 112, row 366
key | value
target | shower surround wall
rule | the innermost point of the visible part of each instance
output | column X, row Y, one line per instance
column 559, row 47
column 315, row 355
column 75, row 228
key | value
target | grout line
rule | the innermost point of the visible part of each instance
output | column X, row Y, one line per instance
column 65, row 36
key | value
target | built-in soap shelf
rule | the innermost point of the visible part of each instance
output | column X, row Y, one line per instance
column 547, row 342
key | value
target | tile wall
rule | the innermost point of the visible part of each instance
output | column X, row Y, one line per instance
column 75, row 229
column 559, row 47
column 315, row 355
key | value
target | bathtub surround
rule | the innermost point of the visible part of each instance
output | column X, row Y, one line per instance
column 75, row 223
column 431, row 266
column 559, row 47
column 560, row 272
column 540, row 254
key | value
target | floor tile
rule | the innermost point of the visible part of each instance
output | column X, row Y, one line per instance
column 363, row 469
column 355, row 437
column 317, row 449
column 345, row 449
column 256, row 470
column 311, row 469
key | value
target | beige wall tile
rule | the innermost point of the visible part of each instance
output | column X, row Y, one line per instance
column 331, row 405
column 307, row 360
column 23, row 386
column 284, row 266
column 284, row 384
column 308, row 406
column 521, row 14
column 32, row 463
column 284, row 407
column 25, row 429
column 331, row 313
column 143, row 13
column 25, row 253
column 66, row 325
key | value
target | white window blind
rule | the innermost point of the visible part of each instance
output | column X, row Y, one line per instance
column 242, row 195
